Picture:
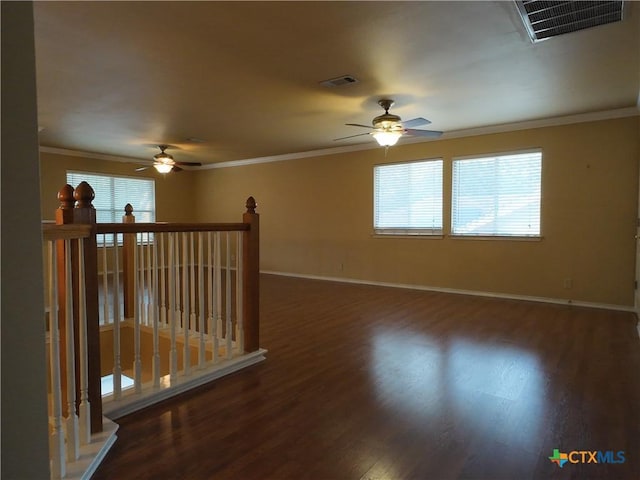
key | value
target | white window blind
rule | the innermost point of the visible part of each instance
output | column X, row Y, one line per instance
column 497, row 195
column 408, row 198
column 114, row 192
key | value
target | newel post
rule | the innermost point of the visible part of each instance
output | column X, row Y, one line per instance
column 64, row 216
column 85, row 213
column 69, row 213
column 128, row 264
column 251, row 277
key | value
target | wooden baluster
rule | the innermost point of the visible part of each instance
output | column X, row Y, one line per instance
column 105, row 283
column 149, row 281
column 201, row 312
column 218, row 280
column 117, row 367
column 211, row 292
column 251, row 278
column 84, row 213
column 175, row 283
column 57, row 452
column 186, row 364
column 128, row 267
column 239, row 314
column 178, row 283
column 155, row 316
column 72, row 425
column 163, row 306
column 138, row 286
column 228, row 331
column 173, row 352
column 192, row 291
column 86, row 402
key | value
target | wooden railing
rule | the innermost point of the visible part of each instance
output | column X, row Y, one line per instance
column 169, row 305
column 189, row 284
column 68, row 386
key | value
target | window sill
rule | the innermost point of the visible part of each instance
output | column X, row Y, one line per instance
column 440, row 236
column 513, row 238
column 423, row 236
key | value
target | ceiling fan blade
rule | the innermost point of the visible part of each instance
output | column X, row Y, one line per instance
column 351, row 136
column 166, row 145
column 140, row 169
column 176, row 169
column 358, row 125
column 416, row 122
column 189, row 164
column 423, row 133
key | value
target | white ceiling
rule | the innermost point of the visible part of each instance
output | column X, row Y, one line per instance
column 116, row 78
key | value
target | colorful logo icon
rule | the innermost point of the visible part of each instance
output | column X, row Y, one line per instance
column 587, row 456
column 559, row 458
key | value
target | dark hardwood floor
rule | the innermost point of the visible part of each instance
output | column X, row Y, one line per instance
column 366, row 382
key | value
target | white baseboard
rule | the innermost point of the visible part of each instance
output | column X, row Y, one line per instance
column 131, row 402
column 92, row 455
column 456, row 291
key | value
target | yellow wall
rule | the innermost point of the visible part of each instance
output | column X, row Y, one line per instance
column 316, row 216
column 174, row 192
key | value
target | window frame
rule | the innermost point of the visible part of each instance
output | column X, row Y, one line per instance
column 500, row 236
column 107, row 239
column 409, row 232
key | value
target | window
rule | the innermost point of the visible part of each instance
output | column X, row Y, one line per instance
column 408, row 198
column 113, row 193
column 497, row 195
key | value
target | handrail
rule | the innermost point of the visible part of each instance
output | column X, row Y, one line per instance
column 152, row 227
column 52, row 232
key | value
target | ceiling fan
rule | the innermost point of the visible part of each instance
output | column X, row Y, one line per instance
column 164, row 162
column 388, row 128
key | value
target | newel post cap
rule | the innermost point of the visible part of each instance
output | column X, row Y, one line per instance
column 65, row 196
column 84, row 195
column 128, row 217
column 251, row 205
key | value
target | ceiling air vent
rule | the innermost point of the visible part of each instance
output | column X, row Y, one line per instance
column 544, row 19
column 339, row 81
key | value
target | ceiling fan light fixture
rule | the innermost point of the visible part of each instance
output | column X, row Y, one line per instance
column 163, row 167
column 388, row 128
column 163, row 157
column 387, row 138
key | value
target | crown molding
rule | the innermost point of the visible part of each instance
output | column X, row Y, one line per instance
column 547, row 122
column 470, row 132
column 92, row 155
column 289, row 156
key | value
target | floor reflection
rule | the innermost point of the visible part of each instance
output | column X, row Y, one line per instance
column 488, row 389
